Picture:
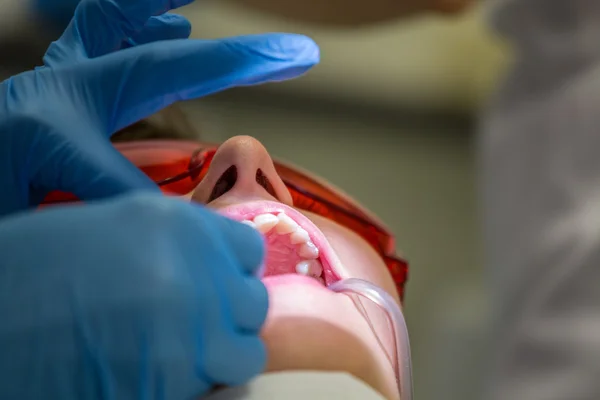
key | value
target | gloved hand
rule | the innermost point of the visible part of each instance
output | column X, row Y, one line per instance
column 111, row 68
column 139, row 297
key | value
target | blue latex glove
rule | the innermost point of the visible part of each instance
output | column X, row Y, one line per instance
column 139, row 297
column 111, row 68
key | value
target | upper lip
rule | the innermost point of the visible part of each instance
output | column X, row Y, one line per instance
column 248, row 210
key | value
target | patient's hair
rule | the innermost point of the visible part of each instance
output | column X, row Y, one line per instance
column 170, row 123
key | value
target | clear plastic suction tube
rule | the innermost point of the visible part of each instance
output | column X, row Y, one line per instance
column 397, row 321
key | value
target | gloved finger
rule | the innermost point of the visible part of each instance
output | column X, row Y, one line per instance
column 164, row 27
column 237, row 294
column 233, row 360
column 249, row 303
column 238, row 249
column 248, row 298
column 246, row 245
column 117, row 20
column 135, row 83
column 89, row 172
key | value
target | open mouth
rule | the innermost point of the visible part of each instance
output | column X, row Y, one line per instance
column 294, row 243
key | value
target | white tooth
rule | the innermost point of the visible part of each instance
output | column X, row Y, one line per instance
column 309, row 268
column 300, row 236
column 265, row 222
column 249, row 223
column 302, row 268
column 308, row 250
column 285, row 225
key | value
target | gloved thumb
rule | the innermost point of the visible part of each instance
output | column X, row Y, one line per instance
column 91, row 170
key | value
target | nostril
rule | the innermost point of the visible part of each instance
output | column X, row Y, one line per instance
column 224, row 184
column 263, row 181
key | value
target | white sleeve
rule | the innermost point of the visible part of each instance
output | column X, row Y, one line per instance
column 300, row 385
column 540, row 163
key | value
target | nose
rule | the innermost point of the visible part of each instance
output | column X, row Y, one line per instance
column 241, row 170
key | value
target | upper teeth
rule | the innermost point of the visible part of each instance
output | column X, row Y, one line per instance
column 265, row 222
column 284, row 225
column 310, row 267
column 299, row 236
column 308, row 250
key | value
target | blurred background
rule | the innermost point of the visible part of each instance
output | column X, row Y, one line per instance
column 389, row 115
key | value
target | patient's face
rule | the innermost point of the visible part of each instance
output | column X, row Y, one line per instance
column 308, row 326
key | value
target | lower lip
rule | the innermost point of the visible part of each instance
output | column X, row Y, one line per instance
column 291, row 279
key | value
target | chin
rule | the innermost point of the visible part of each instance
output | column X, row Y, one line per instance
column 312, row 328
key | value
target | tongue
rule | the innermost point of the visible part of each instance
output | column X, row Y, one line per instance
column 281, row 256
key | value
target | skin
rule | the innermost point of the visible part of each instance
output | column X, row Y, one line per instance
column 353, row 12
column 309, row 326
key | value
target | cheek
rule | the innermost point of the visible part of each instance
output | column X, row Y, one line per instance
column 359, row 259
